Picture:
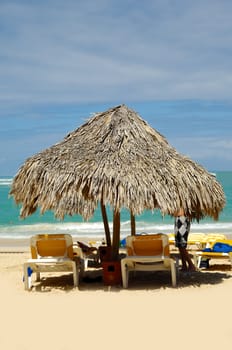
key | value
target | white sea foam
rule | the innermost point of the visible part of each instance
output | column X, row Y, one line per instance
column 76, row 229
column 5, row 181
column 97, row 229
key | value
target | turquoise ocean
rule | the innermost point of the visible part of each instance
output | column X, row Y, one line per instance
column 12, row 227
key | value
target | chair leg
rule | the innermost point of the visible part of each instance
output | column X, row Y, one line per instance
column 26, row 277
column 195, row 258
column 230, row 257
column 37, row 276
column 173, row 272
column 199, row 262
column 75, row 274
column 82, row 268
column 125, row 273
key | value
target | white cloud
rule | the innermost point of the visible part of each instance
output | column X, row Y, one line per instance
column 88, row 51
column 119, row 51
column 213, row 152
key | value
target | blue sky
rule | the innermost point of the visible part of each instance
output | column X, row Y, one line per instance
column 170, row 60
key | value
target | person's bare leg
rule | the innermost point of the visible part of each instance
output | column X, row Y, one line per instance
column 187, row 260
column 191, row 266
column 183, row 258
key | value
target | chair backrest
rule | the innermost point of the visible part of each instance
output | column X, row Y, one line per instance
column 212, row 237
column 51, row 245
column 148, row 245
column 196, row 238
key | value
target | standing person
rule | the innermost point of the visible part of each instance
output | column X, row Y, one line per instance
column 181, row 229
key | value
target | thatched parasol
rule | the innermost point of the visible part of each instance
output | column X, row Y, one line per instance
column 115, row 159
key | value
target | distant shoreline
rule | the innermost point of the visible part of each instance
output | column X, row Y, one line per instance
column 12, row 245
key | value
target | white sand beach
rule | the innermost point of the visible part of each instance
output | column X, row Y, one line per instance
column 150, row 313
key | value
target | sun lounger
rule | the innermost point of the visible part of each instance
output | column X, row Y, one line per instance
column 51, row 253
column 89, row 256
column 210, row 238
column 219, row 249
column 89, row 252
column 147, row 253
column 195, row 240
column 199, row 241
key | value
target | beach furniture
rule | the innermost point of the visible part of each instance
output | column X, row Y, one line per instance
column 87, row 254
column 195, row 240
column 51, row 253
column 147, row 253
column 199, row 241
column 212, row 237
column 217, row 249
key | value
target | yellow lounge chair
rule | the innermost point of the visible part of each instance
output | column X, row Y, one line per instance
column 195, row 240
column 147, row 253
column 51, row 253
column 199, row 241
column 210, row 238
column 199, row 255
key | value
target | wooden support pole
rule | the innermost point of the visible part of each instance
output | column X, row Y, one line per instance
column 106, row 224
column 132, row 224
column 116, row 235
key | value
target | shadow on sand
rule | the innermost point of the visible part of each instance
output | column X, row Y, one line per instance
column 93, row 280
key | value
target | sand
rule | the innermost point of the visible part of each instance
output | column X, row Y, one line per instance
column 149, row 314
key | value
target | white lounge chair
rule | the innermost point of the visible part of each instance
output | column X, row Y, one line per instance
column 51, row 253
column 147, row 253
